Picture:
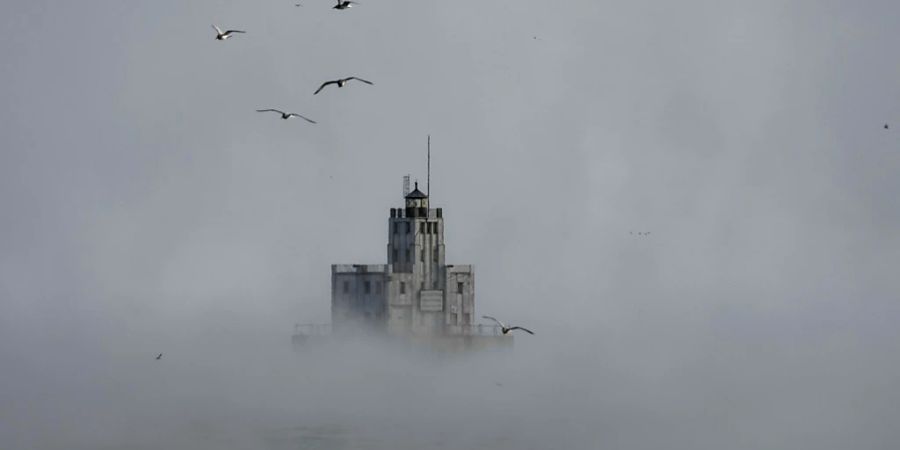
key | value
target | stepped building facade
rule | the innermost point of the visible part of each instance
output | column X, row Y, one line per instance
column 416, row 292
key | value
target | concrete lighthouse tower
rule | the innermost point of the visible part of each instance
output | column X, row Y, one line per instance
column 421, row 295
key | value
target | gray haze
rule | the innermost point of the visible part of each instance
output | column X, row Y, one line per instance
column 147, row 208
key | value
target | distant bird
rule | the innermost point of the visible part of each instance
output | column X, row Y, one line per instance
column 285, row 115
column 298, row 4
column 344, row 4
column 220, row 36
column 886, row 126
column 159, row 356
column 340, row 83
column 505, row 329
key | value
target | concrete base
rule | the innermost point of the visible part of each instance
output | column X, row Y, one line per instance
column 437, row 344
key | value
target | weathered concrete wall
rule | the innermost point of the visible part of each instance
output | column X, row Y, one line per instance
column 460, row 296
column 359, row 295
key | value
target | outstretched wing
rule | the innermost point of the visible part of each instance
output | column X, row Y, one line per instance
column 217, row 29
column 520, row 328
column 233, row 31
column 495, row 320
column 323, row 86
column 304, row 118
column 359, row 79
column 270, row 110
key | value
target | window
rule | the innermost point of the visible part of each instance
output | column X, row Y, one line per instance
column 407, row 227
column 367, row 286
column 407, row 256
column 459, row 288
column 395, row 227
column 402, row 287
column 378, row 287
column 422, row 255
column 346, row 287
column 396, row 255
column 436, row 253
column 422, row 227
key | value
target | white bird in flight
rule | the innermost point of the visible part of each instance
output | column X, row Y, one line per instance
column 340, row 83
column 505, row 329
column 286, row 115
column 220, row 36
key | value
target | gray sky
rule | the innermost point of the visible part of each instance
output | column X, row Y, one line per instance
column 147, row 207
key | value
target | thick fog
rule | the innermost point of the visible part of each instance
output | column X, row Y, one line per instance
column 146, row 208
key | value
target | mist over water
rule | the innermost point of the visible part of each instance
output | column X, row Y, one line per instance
column 145, row 207
column 638, row 389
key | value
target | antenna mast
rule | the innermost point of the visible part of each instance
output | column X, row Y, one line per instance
column 428, row 186
column 405, row 185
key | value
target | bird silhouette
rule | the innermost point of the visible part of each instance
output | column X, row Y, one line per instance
column 340, row 83
column 159, row 356
column 221, row 36
column 344, row 4
column 886, row 126
column 286, row 115
column 505, row 329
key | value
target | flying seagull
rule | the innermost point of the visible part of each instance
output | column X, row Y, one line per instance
column 220, row 36
column 886, row 126
column 340, row 83
column 159, row 356
column 344, row 4
column 505, row 329
column 285, row 115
